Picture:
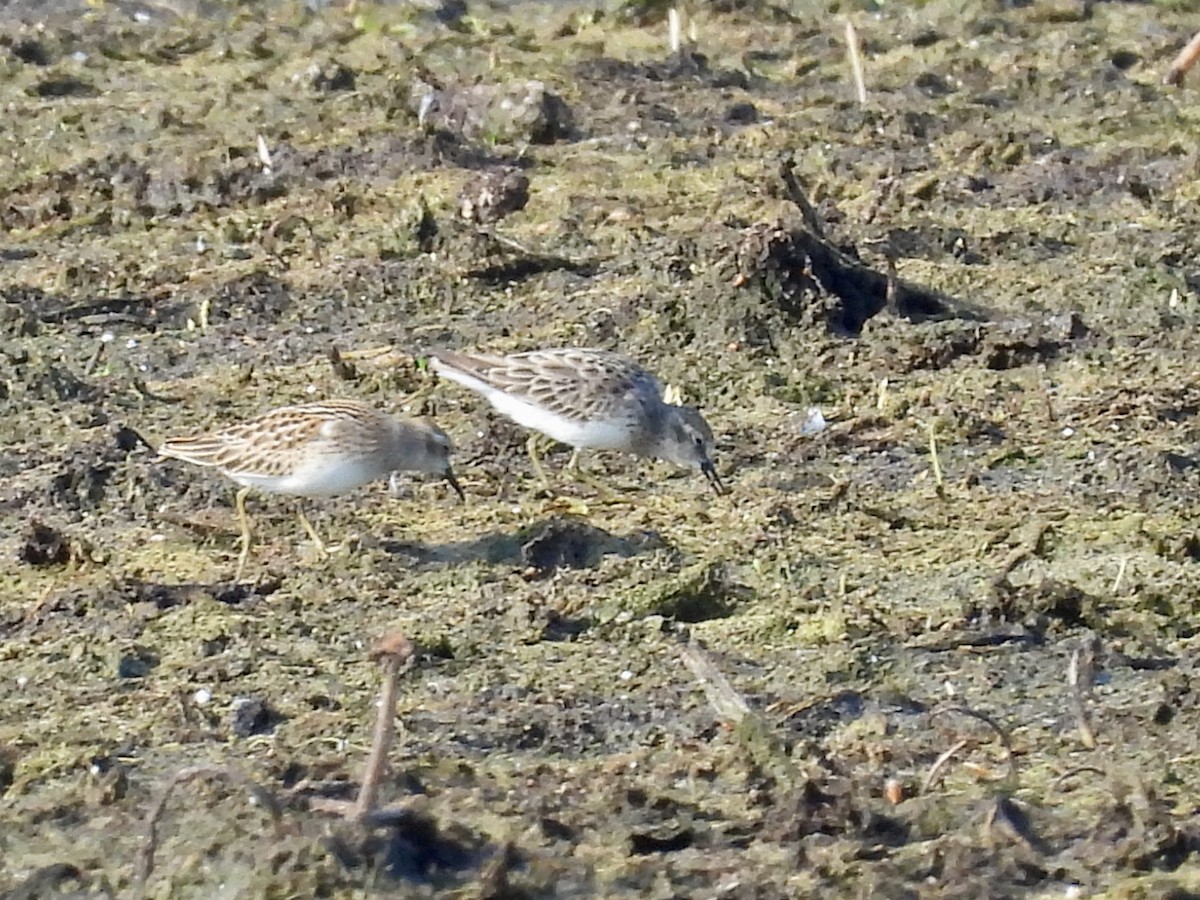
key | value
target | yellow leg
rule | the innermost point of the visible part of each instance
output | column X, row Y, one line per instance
column 573, row 463
column 531, row 449
column 312, row 533
column 245, row 523
column 580, row 475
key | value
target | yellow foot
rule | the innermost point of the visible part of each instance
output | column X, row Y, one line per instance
column 531, row 447
column 581, row 476
column 322, row 550
column 245, row 539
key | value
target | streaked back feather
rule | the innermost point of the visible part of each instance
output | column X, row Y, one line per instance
column 271, row 443
column 574, row 382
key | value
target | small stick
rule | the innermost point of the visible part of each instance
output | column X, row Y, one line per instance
column 145, row 859
column 860, row 85
column 939, row 764
column 674, row 31
column 892, row 293
column 1184, row 61
column 94, row 360
column 931, row 425
column 1121, row 566
column 1079, row 677
column 394, row 652
column 756, row 738
column 722, row 696
column 264, row 154
column 795, row 193
column 1056, row 784
column 1005, row 739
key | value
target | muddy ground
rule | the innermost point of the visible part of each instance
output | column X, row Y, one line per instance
column 957, row 623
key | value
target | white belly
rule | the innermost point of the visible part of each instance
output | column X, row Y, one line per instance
column 604, row 434
column 321, row 477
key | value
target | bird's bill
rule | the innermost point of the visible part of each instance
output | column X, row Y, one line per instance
column 710, row 472
column 453, row 482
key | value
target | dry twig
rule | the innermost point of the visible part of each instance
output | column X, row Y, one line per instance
column 724, row 699
column 795, row 193
column 938, row 481
column 1056, row 784
column 395, row 653
column 1005, row 740
column 756, row 737
column 1079, row 678
column 856, row 67
column 939, row 764
column 1184, row 61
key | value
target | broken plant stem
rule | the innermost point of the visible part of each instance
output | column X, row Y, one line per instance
column 756, row 737
column 938, row 482
column 1005, row 740
column 1079, row 678
column 939, row 764
column 1184, row 61
column 394, row 653
column 724, row 699
column 860, row 84
column 795, row 193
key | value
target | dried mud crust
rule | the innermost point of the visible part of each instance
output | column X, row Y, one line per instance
column 941, row 646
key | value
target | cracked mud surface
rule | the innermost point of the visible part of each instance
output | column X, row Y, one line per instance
column 897, row 635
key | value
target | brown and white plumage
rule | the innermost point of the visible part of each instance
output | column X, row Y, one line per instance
column 317, row 449
column 589, row 399
column 314, row 450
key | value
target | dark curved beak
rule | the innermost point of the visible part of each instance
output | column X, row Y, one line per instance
column 710, row 472
column 453, row 482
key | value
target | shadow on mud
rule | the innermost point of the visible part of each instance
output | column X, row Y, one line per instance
column 557, row 542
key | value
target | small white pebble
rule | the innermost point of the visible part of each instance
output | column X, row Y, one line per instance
column 22, row 680
column 815, row 423
column 626, row 675
column 107, row 337
column 1068, row 431
column 311, row 389
column 130, row 343
column 202, row 697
